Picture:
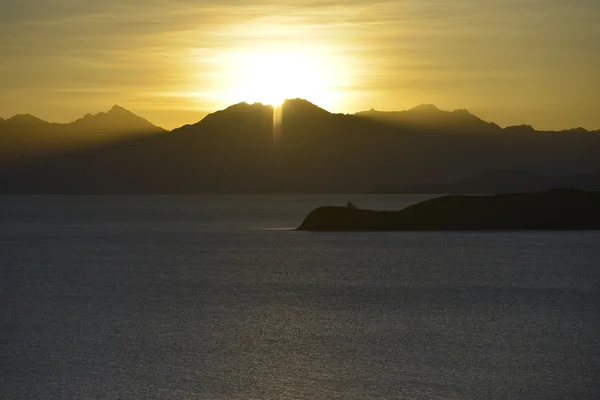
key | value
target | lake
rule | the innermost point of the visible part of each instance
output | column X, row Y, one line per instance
column 214, row 297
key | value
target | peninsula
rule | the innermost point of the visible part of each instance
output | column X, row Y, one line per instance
column 557, row 209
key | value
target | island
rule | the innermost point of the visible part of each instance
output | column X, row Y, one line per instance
column 558, row 209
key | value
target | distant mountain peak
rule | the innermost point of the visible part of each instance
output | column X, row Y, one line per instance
column 462, row 111
column 245, row 104
column 302, row 105
column 520, row 128
column 26, row 119
column 117, row 109
column 299, row 101
column 288, row 105
column 425, row 108
column 243, row 107
column 116, row 119
column 577, row 130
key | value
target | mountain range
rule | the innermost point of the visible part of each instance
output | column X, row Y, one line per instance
column 24, row 137
column 241, row 150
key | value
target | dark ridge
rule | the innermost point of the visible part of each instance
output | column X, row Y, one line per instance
column 24, row 119
column 558, row 209
column 25, row 139
column 425, row 108
column 117, row 118
column 240, row 150
column 301, row 106
column 520, row 129
column 118, row 109
column 429, row 117
column 492, row 181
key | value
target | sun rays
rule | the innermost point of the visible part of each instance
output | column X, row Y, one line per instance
column 270, row 76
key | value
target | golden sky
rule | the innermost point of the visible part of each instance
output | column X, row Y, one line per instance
column 172, row 61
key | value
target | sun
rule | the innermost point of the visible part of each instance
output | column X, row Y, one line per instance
column 270, row 76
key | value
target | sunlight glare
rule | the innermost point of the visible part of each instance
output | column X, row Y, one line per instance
column 270, row 77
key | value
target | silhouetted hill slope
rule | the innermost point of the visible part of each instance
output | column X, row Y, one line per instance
column 554, row 209
column 520, row 129
column 504, row 181
column 25, row 136
column 428, row 116
column 117, row 119
column 246, row 148
column 25, row 120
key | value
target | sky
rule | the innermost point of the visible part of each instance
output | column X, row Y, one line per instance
column 512, row 62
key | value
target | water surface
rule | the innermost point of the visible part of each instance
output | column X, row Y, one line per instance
column 211, row 297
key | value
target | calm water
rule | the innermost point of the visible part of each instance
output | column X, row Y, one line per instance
column 211, row 298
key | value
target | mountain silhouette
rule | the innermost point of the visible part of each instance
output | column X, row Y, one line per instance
column 241, row 150
column 428, row 116
column 504, row 181
column 117, row 119
column 520, row 129
column 22, row 120
column 26, row 137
